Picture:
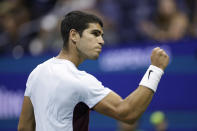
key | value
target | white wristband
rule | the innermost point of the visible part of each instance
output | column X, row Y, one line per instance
column 152, row 77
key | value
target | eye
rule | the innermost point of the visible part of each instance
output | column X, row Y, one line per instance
column 96, row 34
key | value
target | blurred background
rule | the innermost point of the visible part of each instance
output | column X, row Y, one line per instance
column 29, row 35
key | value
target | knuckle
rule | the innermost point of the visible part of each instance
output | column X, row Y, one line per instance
column 163, row 53
column 155, row 49
column 160, row 52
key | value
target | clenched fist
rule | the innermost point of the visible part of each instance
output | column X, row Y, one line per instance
column 159, row 58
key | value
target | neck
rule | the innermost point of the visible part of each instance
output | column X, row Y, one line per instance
column 71, row 56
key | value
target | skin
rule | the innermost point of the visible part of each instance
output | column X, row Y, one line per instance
column 27, row 119
column 127, row 127
column 130, row 109
column 89, row 46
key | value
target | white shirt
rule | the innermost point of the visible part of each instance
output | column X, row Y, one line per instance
column 55, row 87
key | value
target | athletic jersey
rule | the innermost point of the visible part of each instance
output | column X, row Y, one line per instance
column 62, row 95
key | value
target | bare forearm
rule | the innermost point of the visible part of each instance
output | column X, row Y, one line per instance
column 132, row 107
column 135, row 104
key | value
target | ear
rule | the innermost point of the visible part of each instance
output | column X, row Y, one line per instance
column 74, row 36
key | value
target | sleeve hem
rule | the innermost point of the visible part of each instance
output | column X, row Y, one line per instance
column 93, row 102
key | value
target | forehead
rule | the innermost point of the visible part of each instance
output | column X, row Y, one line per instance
column 94, row 26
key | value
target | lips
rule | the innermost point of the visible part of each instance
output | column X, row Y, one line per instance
column 99, row 49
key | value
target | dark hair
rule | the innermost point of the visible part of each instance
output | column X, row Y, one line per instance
column 79, row 21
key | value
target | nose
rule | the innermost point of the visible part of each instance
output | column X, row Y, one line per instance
column 100, row 40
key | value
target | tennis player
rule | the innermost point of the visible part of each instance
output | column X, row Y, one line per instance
column 59, row 97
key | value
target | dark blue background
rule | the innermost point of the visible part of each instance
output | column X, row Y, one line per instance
column 176, row 94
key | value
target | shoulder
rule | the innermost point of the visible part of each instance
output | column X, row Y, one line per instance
column 88, row 78
column 38, row 68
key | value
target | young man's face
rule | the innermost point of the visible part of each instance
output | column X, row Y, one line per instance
column 91, row 42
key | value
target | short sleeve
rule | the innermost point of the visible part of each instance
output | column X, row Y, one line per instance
column 27, row 90
column 93, row 90
column 28, row 84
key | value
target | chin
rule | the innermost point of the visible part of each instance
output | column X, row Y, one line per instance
column 95, row 57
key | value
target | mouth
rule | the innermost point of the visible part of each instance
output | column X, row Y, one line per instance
column 99, row 49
